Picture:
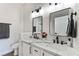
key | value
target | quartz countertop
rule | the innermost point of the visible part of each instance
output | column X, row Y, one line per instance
column 62, row 50
column 32, row 40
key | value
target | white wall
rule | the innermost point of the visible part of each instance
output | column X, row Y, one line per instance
column 27, row 20
column 10, row 13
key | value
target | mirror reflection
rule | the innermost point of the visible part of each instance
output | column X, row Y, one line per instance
column 37, row 24
column 59, row 22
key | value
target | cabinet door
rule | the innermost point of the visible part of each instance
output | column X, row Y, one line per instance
column 20, row 48
column 36, row 51
column 47, row 54
column 26, row 49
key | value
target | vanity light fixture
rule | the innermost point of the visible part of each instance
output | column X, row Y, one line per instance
column 32, row 11
column 37, row 10
column 50, row 3
column 56, row 3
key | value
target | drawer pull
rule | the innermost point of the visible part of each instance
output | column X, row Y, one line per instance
column 35, row 50
column 43, row 54
column 30, row 50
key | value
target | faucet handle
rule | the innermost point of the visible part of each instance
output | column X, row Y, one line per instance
column 53, row 40
column 62, row 42
column 57, row 37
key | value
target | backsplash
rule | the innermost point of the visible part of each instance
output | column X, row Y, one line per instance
column 62, row 40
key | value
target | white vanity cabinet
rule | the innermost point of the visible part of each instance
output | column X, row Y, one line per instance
column 47, row 54
column 36, row 51
column 26, row 49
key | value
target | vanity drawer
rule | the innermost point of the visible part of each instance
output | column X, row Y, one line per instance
column 36, row 51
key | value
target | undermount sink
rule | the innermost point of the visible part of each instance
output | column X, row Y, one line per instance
column 55, row 46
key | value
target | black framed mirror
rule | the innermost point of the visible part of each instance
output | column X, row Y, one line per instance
column 58, row 22
column 37, row 24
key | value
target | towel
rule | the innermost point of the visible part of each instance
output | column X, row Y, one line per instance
column 70, row 27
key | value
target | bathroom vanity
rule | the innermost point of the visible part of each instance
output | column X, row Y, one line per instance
column 34, row 47
column 62, row 24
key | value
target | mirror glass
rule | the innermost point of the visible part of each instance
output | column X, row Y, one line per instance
column 61, row 25
column 37, row 24
column 59, row 22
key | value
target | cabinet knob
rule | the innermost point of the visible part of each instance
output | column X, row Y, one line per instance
column 35, row 50
column 43, row 54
